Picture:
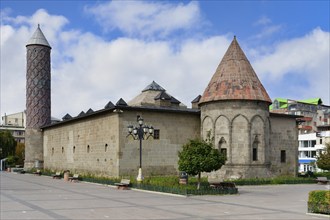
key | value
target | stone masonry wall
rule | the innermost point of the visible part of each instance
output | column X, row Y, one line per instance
column 89, row 145
column 237, row 127
column 66, row 146
column 284, row 137
column 238, row 123
column 159, row 156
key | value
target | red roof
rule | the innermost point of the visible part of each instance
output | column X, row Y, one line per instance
column 234, row 79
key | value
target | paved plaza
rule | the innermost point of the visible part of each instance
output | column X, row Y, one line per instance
column 25, row 196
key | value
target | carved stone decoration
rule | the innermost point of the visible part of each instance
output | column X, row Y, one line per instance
column 38, row 102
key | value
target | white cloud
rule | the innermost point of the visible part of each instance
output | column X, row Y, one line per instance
column 141, row 18
column 88, row 71
column 123, row 67
column 267, row 28
column 268, row 31
column 264, row 20
column 15, row 32
column 307, row 56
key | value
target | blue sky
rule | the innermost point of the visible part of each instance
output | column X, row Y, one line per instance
column 106, row 50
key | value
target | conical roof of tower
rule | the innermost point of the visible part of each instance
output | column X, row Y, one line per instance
column 234, row 79
column 38, row 38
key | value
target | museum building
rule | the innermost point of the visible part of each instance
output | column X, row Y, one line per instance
column 234, row 109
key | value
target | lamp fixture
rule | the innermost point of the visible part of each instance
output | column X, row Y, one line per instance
column 142, row 132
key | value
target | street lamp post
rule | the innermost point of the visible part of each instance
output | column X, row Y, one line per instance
column 142, row 132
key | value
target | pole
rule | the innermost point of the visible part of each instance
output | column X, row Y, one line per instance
column 140, row 135
column 140, row 153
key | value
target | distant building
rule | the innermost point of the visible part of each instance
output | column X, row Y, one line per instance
column 314, row 127
column 15, row 123
column 16, row 119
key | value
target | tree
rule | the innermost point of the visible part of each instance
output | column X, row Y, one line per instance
column 199, row 156
column 7, row 144
column 323, row 160
column 20, row 153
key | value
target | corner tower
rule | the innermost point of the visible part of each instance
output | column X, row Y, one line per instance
column 234, row 110
column 38, row 102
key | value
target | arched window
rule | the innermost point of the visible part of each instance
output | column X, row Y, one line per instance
column 105, row 147
column 52, row 151
column 222, row 147
column 74, row 149
column 88, row 148
column 255, row 148
column 62, row 150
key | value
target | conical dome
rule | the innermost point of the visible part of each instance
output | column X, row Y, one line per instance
column 234, row 79
column 38, row 38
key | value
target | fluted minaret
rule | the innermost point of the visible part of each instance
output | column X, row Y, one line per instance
column 38, row 102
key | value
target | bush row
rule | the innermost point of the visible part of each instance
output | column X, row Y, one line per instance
column 171, row 184
column 275, row 180
column 319, row 202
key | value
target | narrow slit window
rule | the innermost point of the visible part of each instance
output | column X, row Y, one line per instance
column 156, row 134
column 255, row 154
column 255, row 148
column 283, row 156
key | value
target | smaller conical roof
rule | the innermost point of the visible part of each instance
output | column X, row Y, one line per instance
column 154, row 87
column 109, row 105
column 67, row 117
column 121, row 102
column 38, row 38
column 234, row 79
column 148, row 95
column 151, row 94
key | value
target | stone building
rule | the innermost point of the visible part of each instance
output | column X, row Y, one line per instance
column 234, row 109
column 97, row 142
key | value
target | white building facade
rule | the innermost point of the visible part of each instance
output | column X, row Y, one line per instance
column 307, row 152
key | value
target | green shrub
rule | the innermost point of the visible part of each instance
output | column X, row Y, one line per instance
column 324, row 174
column 275, row 180
column 319, row 202
column 11, row 160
